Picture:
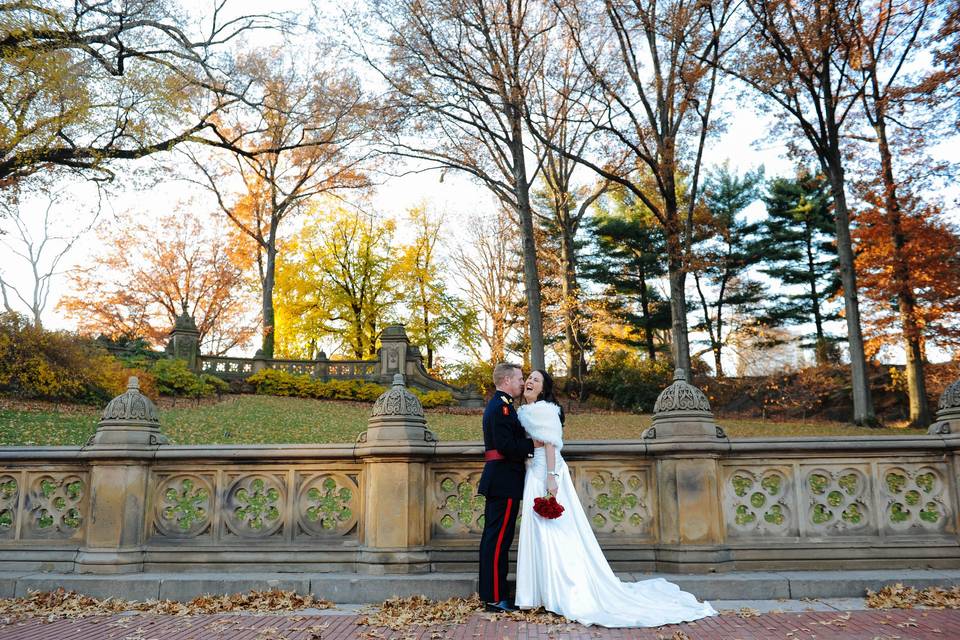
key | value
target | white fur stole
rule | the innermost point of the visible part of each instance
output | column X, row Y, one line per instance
column 541, row 421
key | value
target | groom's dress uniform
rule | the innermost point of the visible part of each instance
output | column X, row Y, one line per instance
column 506, row 448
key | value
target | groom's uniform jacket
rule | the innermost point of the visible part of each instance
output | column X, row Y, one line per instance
column 503, row 433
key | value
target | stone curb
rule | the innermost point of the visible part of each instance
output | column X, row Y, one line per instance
column 359, row 588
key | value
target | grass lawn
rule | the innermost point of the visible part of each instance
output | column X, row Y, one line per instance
column 266, row 419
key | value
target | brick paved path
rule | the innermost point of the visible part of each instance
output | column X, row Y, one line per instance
column 818, row 625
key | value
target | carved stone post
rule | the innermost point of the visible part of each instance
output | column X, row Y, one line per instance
column 321, row 366
column 393, row 351
column 688, row 444
column 184, row 342
column 259, row 361
column 395, row 450
column 119, row 455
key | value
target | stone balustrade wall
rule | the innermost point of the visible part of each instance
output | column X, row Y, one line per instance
column 774, row 504
column 396, row 355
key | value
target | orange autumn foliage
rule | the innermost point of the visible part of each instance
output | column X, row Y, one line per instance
column 149, row 272
column 932, row 254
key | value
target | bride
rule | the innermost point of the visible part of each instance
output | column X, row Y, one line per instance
column 559, row 563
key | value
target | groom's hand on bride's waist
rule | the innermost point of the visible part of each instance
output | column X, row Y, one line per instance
column 537, row 443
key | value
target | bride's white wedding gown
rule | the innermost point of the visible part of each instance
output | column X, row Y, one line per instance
column 560, row 565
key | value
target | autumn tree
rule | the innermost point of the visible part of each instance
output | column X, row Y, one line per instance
column 459, row 75
column 337, row 280
column 940, row 88
column 725, row 247
column 85, row 83
column 925, row 247
column 797, row 56
column 887, row 39
column 150, row 272
column 486, row 266
column 800, row 253
column 652, row 70
column 562, row 199
column 295, row 138
column 436, row 317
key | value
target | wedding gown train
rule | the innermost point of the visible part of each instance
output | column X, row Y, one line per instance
column 560, row 565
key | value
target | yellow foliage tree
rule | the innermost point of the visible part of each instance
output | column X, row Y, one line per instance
column 336, row 278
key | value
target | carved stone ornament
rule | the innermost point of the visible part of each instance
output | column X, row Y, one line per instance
column 950, row 398
column 397, row 401
column 131, row 406
column 681, row 396
column 185, row 322
column 948, row 412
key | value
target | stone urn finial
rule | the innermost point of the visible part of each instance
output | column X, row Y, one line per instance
column 948, row 412
column 682, row 411
column 131, row 418
column 397, row 401
column 682, row 397
column 397, row 422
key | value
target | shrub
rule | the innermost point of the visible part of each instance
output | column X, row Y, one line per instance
column 629, row 381
column 476, row 374
column 112, row 375
column 431, row 399
column 274, row 382
column 174, row 378
column 348, row 390
column 58, row 365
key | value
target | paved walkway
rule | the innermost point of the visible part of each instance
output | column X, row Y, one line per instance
column 790, row 620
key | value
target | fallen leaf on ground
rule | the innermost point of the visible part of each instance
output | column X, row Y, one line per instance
column 399, row 613
column 53, row 605
column 898, row 596
column 537, row 616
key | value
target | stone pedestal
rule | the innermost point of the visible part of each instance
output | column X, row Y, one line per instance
column 119, row 454
column 393, row 351
column 948, row 412
column 688, row 445
column 395, row 449
column 184, row 342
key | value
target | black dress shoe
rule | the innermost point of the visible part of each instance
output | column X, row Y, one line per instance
column 499, row 607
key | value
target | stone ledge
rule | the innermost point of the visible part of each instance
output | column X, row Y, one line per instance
column 358, row 588
column 845, row 584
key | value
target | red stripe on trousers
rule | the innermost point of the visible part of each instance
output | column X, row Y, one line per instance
column 496, row 555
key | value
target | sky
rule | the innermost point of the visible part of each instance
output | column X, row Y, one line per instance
column 744, row 143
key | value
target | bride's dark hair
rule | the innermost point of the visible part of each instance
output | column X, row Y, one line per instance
column 547, row 392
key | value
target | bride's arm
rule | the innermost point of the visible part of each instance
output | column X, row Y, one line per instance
column 551, row 482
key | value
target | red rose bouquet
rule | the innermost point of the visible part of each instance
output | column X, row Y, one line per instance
column 547, row 507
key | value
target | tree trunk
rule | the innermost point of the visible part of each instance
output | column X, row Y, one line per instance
column 268, row 280
column 708, row 323
column 576, row 365
column 863, row 413
column 821, row 350
column 678, row 302
column 647, row 320
column 497, row 351
column 531, row 279
column 906, row 300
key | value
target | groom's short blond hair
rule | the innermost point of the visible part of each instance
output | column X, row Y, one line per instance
column 502, row 371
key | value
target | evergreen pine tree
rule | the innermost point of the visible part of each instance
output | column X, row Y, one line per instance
column 631, row 250
column 800, row 252
column 726, row 245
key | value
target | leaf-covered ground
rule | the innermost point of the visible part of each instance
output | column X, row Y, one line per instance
column 266, row 419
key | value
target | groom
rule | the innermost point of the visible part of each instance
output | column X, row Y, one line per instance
column 506, row 448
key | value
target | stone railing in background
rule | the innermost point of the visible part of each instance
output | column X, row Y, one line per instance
column 683, row 497
column 396, row 355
